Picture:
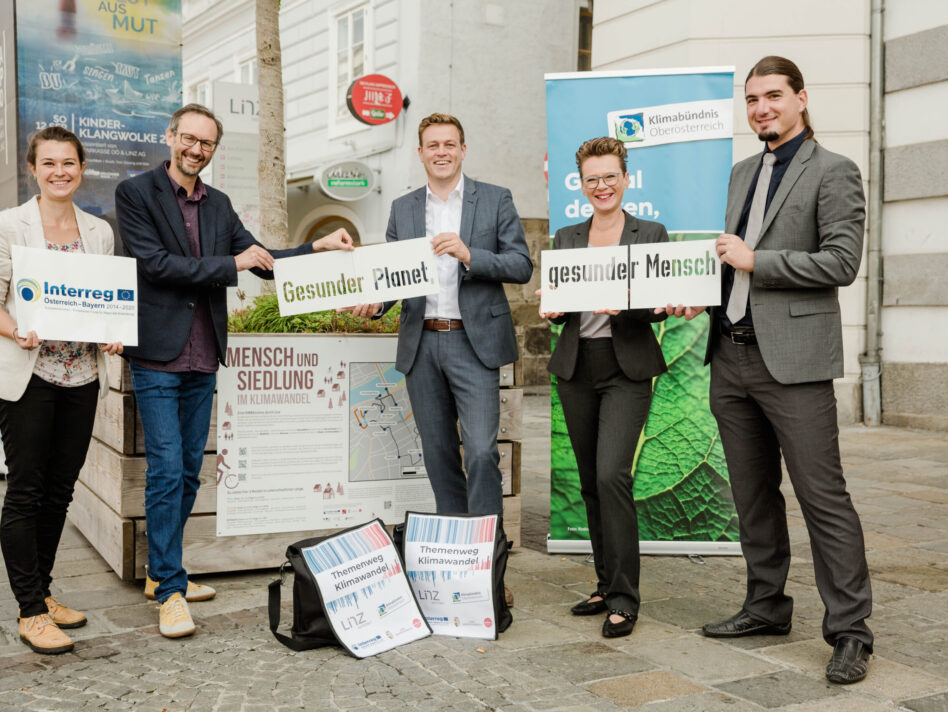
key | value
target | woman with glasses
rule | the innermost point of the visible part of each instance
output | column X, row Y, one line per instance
column 604, row 363
column 48, row 393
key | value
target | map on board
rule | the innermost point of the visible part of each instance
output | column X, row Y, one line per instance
column 384, row 443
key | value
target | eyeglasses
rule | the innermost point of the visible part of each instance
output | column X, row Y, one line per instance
column 187, row 140
column 610, row 179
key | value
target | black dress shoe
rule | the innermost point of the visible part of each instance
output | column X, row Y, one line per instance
column 849, row 663
column 620, row 629
column 743, row 624
column 589, row 607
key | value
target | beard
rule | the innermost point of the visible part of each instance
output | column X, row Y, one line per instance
column 186, row 169
column 768, row 135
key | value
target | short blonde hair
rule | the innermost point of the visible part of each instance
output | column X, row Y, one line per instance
column 602, row 146
column 437, row 118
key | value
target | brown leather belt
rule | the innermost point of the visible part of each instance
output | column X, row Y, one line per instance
column 443, row 324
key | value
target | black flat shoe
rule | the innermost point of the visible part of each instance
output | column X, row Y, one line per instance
column 850, row 661
column 589, row 607
column 620, row 629
column 743, row 624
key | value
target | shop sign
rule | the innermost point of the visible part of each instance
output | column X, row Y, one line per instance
column 347, row 181
column 374, row 99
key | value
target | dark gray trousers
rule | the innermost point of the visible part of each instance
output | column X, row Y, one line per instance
column 759, row 419
column 448, row 385
column 604, row 413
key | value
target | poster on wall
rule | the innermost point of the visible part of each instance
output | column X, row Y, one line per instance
column 110, row 72
column 676, row 126
column 449, row 562
column 366, row 596
column 313, row 433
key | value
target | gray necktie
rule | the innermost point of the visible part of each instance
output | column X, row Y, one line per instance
column 737, row 304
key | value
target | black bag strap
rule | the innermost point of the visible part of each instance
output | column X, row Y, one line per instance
column 273, row 606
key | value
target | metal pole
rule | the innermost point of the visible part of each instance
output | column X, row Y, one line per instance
column 871, row 360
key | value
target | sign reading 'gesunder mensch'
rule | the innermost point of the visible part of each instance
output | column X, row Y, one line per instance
column 630, row 276
column 374, row 273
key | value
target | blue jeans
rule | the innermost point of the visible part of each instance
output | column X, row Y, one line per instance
column 175, row 409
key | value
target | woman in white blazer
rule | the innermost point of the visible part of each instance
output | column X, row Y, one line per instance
column 48, row 393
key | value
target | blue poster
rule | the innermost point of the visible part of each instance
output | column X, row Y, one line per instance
column 107, row 70
column 677, row 127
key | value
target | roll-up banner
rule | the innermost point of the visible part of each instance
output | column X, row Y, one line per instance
column 110, row 72
column 677, row 126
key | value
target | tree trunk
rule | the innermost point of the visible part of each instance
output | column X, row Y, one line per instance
column 271, row 161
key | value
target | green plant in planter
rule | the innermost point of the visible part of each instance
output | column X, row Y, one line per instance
column 263, row 317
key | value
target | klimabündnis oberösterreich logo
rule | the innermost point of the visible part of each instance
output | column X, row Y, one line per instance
column 28, row 289
column 629, row 128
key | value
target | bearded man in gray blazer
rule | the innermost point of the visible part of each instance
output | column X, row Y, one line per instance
column 452, row 344
column 794, row 222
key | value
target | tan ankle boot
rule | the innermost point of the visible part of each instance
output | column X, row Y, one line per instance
column 44, row 636
column 63, row 616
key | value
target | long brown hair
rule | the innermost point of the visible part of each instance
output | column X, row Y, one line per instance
column 784, row 67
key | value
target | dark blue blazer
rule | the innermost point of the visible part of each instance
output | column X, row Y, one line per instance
column 170, row 279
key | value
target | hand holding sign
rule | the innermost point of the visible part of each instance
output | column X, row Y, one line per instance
column 28, row 342
column 338, row 240
column 734, row 251
column 681, row 310
column 450, row 243
column 363, row 311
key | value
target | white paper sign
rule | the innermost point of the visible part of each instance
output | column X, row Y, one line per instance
column 374, row 273
column 315, row 432
column 368, row 601
column 449, row 562
column 76, row 296
column 630, row 276
column 672, row 123
column 584, row 279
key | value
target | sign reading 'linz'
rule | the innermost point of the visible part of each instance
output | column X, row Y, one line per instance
column 630, row 276
column 374, row 273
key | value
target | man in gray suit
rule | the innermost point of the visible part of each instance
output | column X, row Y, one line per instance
column 451, row 344
column 794, row 224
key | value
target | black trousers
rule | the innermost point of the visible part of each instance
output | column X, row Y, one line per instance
column 760, row 420
column 604, row 413
column 46, row 436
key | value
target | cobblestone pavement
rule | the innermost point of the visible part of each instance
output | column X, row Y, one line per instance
column 548, row 660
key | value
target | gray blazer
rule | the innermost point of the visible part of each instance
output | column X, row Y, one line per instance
column 491, row 229
column 810, row 244
column 636, row 348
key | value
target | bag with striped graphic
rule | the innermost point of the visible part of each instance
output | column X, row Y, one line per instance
column 349, row 589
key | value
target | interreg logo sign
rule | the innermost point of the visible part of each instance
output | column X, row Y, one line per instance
column 28, row 289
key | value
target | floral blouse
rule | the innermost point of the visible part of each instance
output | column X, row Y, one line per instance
column 67, row 363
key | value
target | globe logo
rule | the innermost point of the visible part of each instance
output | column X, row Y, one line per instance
column 629, row 128
column 28, row 289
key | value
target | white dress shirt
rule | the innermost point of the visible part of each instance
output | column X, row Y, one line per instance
column 444, row 216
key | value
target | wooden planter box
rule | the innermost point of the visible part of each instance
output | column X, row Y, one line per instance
column 109, row 502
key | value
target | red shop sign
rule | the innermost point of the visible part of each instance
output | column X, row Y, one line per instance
column 374, row 99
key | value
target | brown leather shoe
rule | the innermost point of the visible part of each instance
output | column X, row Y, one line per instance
column 508, row 596
column 63, row 616
column 44, row 636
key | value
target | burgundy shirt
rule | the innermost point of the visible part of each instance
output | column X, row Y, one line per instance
column 200, row 350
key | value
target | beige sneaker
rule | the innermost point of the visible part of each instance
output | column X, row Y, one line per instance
column 63, row 616
column 44, row 636
column 196, row 591
column 174, row 618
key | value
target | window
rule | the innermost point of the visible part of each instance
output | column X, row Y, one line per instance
column 247, row 72
column 200, row 93
column 330, row 224
column 350, row 41
column 584, row 58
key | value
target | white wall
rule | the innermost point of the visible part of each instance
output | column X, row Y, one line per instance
column 829, row 41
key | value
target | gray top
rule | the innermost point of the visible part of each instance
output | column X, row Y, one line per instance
column 595, row 326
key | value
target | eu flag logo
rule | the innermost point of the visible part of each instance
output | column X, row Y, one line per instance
column 126, row 295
